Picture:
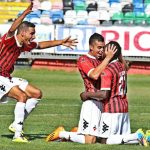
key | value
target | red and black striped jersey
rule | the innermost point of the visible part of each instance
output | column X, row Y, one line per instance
column 86, row 64
column 114, row 78
column 9, row 53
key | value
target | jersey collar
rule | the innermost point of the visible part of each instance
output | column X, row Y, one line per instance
column 114, row 61
column 90, row 56
column 18, row 44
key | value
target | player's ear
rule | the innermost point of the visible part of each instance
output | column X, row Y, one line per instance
column 22, row 33
column 91, row 47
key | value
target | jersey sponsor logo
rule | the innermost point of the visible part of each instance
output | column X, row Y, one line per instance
column 85, row 124
column 2, row 88
column 105, row 127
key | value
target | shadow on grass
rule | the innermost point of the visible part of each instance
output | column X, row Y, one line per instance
column 28, row 136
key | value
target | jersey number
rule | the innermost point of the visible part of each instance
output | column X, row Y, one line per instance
column 122, row 85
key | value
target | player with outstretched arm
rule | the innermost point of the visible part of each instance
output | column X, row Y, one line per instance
column 19, row 38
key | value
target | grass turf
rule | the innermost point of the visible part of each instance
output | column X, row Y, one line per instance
column 61, row 106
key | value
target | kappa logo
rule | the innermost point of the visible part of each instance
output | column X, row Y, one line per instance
column 85, row 124
column 20, row 123
column 105, row 127
column 11, row 81
column 2, row 88
column 94, row 128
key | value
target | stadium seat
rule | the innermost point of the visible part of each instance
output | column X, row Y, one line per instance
column 125, row 2
column 114, row 1
column 91, row 7
column 90, row 2
column 57, row 16
column 36, row 5
column 117, row 18
column 140, row 18
column 138, row 7
column 9, row 10
column 35, row 20
column 146, row 2
column 70, row 17
column 81, row 17
column 128, row 1
column 137, row 1
column 79, row 6
column 102, row 1
column 78, row 1
column 70, row 13
column 93, row 18
column 104, row 17
column 67, row 5
column 46, row 5
column 45, row 17
column 129, row 18
column 34, row 17
column 127, row 8
column 46, row 20
column 147, row 9
column 103, row 6
column 57, row 6
column 114, row 8
column 148, row 19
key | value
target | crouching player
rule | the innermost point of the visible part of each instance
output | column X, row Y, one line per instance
column 115, row 124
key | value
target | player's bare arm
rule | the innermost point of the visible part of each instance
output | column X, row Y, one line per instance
column 68, row 42
column 99, row 96
column 19, row 20
column 109, row 53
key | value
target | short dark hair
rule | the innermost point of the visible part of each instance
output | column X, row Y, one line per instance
column 24, row 26
column 96, row 37
column 118, row 47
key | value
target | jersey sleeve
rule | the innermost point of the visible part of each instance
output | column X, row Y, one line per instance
column 85, row 65
column 6, row 40
column 30, row 47
column 106, row 79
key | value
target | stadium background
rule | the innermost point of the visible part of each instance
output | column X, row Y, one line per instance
column 61, row 102
column 126, row 21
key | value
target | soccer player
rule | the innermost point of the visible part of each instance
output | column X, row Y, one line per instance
column 90, row 67
column 114, row 124
column 11, row 46
column 115, row 118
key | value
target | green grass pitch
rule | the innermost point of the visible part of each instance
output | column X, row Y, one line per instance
column 61, row 106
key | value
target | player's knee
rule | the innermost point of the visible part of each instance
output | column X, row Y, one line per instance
column 90, row 139
column 38, row 94
column 22, row 97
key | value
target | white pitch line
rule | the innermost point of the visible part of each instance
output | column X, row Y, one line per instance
column 53, row 115
column 144, row 113
column 67, row 105
column 62, row 105
column 45, row 115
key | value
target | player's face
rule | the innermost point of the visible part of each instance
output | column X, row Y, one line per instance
column 29, row 35
column 96, row 49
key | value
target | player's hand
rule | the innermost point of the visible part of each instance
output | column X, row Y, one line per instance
column 68, row 42
column 110, row 50
column 29, row 9
column 83, row 96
